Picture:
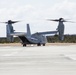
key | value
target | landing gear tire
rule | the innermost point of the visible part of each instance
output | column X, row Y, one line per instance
column 43, row 44
column 24, row 45
column 38, row 44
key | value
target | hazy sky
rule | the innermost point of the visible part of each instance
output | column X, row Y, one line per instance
column 35, row 12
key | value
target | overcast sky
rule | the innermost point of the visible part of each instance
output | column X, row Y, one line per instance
column 35, row 12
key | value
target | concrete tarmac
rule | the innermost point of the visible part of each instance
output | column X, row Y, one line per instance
column 33, row 60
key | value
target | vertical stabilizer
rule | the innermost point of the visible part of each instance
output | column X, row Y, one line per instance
column 28, row 30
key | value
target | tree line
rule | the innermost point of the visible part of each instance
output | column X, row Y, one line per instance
column 50, row 39
column 67, row 39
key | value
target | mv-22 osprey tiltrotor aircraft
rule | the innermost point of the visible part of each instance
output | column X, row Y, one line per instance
column 38, row 38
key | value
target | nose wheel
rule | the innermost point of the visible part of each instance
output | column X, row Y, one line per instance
column 24, row 45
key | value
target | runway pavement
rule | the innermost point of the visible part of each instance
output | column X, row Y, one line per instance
column 33, row 60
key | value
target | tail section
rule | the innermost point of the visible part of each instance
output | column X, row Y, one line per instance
column 28, row 30
column 9, row 30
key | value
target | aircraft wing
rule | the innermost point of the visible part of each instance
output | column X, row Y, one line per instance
column 48, row 32
column 18, row 34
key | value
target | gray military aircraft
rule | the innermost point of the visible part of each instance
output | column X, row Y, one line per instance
column 38, row 38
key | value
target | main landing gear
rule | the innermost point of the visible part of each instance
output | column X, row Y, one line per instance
column 24, row 45
column 40, row 44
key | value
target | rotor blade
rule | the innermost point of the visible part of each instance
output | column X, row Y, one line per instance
column 53, row 20
column 69, row 21
column 10, row 22
column 14, row 21
column 3, row 22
